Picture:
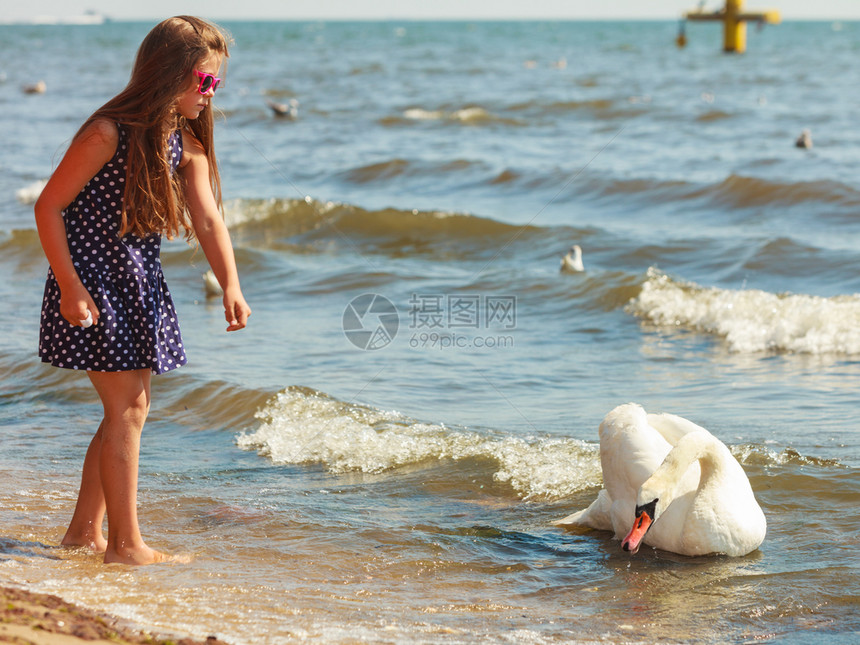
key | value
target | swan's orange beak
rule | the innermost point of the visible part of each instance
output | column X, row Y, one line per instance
column 640, row 527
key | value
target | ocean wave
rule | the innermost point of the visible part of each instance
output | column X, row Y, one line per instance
column 600, row 108
column 386, row 170
column 304, row 426
column 461, row 172
column 22, row 252
column 752, row 320
column 307, row 219
column 745, row 192
column 523, row 113
column 751, row 454
column 652, row 189
column 30, row 193
column 733, row 191
column 714, row 115
column 377, row 171
column 20, row 241
column 216, row 404
column 467, row 115
column 563, row 107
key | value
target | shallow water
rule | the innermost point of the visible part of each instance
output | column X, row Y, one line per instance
column 332, row 493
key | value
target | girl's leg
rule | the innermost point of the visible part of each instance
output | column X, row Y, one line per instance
column 85, row 528
column 125, row 397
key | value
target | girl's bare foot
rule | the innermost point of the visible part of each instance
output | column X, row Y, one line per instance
column 135, row 556
column 95, row 543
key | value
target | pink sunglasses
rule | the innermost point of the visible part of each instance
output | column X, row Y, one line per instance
column 207, row 82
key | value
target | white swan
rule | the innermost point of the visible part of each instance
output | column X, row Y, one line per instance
column 671, row 484
column 572, row 262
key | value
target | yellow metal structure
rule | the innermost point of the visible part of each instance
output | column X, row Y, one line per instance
column 734, row 20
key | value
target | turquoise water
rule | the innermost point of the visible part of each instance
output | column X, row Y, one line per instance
column 398, row 486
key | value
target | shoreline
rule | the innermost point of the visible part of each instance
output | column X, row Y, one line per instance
column 43, row 619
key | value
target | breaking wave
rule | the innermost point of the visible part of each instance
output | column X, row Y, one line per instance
column 303, row 426
column 751, row 320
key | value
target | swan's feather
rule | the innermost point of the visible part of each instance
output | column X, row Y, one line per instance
column 596, row 516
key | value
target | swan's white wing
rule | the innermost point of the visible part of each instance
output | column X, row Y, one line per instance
column 630, row 451
column 672, row 427
column 596, row 516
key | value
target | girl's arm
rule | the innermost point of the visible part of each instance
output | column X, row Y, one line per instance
column 211, row 231
column 86, row 155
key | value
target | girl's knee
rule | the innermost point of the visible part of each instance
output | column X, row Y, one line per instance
column 125, row 397
column 137, row 411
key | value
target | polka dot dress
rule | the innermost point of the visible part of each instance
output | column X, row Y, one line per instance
column 137, row 326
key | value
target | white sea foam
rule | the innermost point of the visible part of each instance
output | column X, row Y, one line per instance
column 751, row 320
column 471, row 114
column 30, row 193
column 466, row 115
column 238, row 212
column 420, row 114
column 300, row 426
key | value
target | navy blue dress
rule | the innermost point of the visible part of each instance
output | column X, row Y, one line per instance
column 137, row 327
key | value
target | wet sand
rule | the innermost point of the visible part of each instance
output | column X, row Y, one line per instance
column 41, row 619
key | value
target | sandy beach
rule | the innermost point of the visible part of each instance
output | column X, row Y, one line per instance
column 41, row 619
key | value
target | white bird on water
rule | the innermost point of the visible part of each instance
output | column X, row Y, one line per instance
column 36, row 88
column 672, row 485
column 572, row 262
column 289, row 110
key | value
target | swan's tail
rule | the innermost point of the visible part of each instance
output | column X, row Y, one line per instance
column 595, row 516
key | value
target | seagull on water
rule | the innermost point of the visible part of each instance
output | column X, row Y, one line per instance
column 289, row 110
column 572, row 262
column 804, row 140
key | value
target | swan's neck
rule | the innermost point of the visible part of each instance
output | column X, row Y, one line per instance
column 698, row 446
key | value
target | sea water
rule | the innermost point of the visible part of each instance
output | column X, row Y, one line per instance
column 378, row 457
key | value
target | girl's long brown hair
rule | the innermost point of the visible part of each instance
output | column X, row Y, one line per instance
column 154, row 201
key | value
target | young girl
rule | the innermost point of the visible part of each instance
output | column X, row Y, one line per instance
column 141, row 167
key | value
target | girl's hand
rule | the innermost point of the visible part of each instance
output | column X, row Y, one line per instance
column 236, row 310
column 88, row 152
column 75, row 302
